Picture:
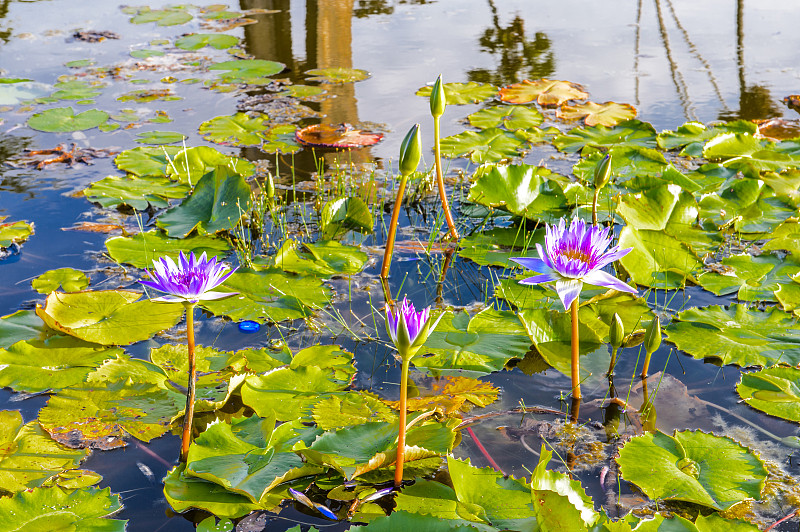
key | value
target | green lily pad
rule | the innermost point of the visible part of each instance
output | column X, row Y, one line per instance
column 550, row 332
column 144, row 161
column 303, row 92
column 58, row 509
column 489, row 145
column 692, row 136
column 29, row 456
column 252, row 71
column 190, row 164
column 785, row 184
column 149, row 95
column 478, row 345
column 559, row 502
column 497, row 246
column 751, row 278
column 145, row 53
column 344, row 214
column 160, row 137
column 64, row 119
column 324, row 258
column 281, row 139
column 775, row 391
column 76, row 90
column 653, row 209
column 627, row 162
column 57, row 362
column 142, row 249
column 524, row 190
column 786, row 237
column 748, row 205
column 658, row 260
column 236, row 130
column 746, row 154
column 269, row 295
column 693, row 466
column 184, row 492
column 108, row 317
column 196, row 41
column 630, row 133
column 171, row 16
column 350, row 409
column 21, row 325
column 508, row 116
column 14, row 232
column 138, row 193
column 218, row 202
column 737, row 335
column 337, row 75
column 462, row 93
column 77, row 63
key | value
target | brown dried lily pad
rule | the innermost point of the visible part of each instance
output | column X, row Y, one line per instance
column 778, row 129
column 59, row 154
column 543, row 91
column 792, row 102
column 336, row 136
column 605, row 114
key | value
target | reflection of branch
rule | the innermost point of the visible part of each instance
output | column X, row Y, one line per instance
column 636, row 51
column 677, row 77
column 693, row 49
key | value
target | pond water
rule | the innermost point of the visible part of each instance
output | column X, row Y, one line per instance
column 674, row 61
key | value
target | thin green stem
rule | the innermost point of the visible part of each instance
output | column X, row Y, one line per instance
column 186, row 437
column 401, row 435
column 613, row 363
column 389, row 248
column 646, row 366
column 437, row 159
column 576, row 367
column 594, row 206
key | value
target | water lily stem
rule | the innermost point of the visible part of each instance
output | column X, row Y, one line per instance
column 646, row 366
column 594, row 206
column 186, row 437
column 389, row 248
column 613, row 362
column 401, row 435
column 437, row 159
column 576, row 367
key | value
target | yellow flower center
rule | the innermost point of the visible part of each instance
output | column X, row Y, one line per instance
column 575, row 254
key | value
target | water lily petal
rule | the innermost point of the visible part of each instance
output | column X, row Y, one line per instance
column 531, row 263
column 568, row 290
column 543, row 278
column 601, row 278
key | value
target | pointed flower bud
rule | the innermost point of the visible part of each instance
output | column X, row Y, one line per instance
column 652, row 336
column 408, row 328
column 269, row 189
column 438, row 100
column 410, row 151
column 602, row 172
column 617, row 333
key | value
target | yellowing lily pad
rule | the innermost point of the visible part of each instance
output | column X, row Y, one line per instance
column 54, row 508
column 337, row 75
column 336, row 136
column 606, row 114
column 237, row 130
column 545, row 92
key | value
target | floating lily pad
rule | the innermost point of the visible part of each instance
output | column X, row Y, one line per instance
column 21, row 325
column 68, row 279
column 341, row 215
column 149, row 95
column 775, row 391
column 190, row 164
column 606, row 114
column 108, row 317
column 627, row 162
column 29, row 457
column 692, row 136
column 281, row 139
column 489, row 145
column 508, row 116
column 323, row 258
column 160, row 137
column 658, row 260
column 196, row 41
column 252, row 71
column 14, row 232
column 336, row 136
column 349, row 409
column 737, row 335
column 217, row 203
column 142, row 249
column 544, row 91
column 751, row 278
column 76, row 90
column 184, row 492
column 748, row 205
column 171, row 16
column 58, row 509
column 550, row 333
column 630, row 133
column 145, row 53
column 138, row 193
column 337, row 75
column 525, row 190
column 452, row 394
column 146, row 161
column 480, row 345
column 237, row 130
column 78, row 63
column 462, row 93
column 744, row 153
column 64, row 119
column 303, row 92
column 693, row 466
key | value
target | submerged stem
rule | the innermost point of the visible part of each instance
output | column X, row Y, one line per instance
column 389, row 247
column 576, row 367
column 186, row 437
column 437, row 159
column 401, row 435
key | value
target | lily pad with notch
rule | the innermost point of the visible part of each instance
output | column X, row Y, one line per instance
column 775, row 391
column 142, row 249
column 488, row 145
column 137, row 193
column 337, row 75
column 593, row 114
column 545, row 92
column 64, row 119
column 462, row 93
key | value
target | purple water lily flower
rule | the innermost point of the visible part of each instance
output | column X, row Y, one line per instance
column 574, row 256
column 189, row 281
column 408, row 328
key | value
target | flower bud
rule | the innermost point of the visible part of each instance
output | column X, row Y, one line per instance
column 438, row 100
column 652, row 336
column 617, row 333
column 410, row 151
column 602, row 172
column 270, row 187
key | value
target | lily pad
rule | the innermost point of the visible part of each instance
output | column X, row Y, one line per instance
column 21, row 325
column 76, row 90
column 693, row 466
column 336, row 136
column 748, row 205
column 251, row 71
column 629, row 133
column 489, row 145
column 323, row 258
column 692, row 136
column 462, row 93
column 746, row 154
column 543, row 91
column 737, row 335
column 146, row 161
column 627, row 162
column 138, row 193
column 452, row 394
column 751, row 278
column 142, row 249
column 508, row 116
column 337, row 75
column 64, row 119
column 237, row 130
column 524, row 190
column 184, row 492
column 171, row 16
column 341, row 215
column 159, row 137
column 281, row 139
column 337, row 411
column 658, row 260
column 478, row 345
column 550, row 333
column 196, row 41
column 59, row 509
column 217, row 203
column 606, row 114
column 14, row 232
column 775, row 391
column 190, row 164
column 149, row 95
column 108, row 317
column 29, row 456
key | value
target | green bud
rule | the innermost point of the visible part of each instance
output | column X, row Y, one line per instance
column 410, row 151
column 602, row 172
column 617, row 333
column 438, row 100
column 270, row 187
column 652, row 336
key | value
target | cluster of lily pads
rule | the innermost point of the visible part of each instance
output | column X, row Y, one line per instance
column 712, row 206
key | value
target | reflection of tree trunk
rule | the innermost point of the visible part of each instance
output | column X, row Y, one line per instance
column 271, row 38
column 740, row 47
column 677, row 77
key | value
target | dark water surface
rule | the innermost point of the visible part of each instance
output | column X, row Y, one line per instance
column 675, row 61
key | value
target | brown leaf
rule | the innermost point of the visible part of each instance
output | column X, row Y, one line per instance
column 336, row 136
column 545, row 91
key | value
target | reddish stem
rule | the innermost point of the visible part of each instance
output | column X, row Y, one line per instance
column 484, row 451
column 186, row 437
